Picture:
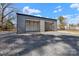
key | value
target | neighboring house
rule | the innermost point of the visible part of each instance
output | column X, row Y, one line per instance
column 74, row 28
column 69, row 27
column 29, row 23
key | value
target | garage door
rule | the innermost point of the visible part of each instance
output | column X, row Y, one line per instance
column 48, row 26
column 32, row 26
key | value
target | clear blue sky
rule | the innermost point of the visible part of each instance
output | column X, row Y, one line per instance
column 51, row 10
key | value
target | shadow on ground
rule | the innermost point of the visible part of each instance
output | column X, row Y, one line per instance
column 41, row 45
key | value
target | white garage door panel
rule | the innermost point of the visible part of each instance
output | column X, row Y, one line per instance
column 32, row 26
column 27, row 26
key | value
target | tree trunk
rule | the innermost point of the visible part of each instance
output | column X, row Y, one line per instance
column 2, row 20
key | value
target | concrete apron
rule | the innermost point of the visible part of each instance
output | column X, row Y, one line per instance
column 34, row 33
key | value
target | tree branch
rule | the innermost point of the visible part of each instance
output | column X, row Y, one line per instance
column 8, row 14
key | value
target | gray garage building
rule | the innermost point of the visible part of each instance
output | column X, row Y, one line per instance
column 29, row 23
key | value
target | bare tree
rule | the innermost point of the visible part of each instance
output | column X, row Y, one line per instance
column 3, row 8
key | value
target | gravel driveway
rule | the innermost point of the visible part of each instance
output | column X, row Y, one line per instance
column 44, row 44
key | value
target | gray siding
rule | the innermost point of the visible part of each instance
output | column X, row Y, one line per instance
column 42, row 25
column 20, row 24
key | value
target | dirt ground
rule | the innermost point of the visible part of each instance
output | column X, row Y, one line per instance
column 56, row 43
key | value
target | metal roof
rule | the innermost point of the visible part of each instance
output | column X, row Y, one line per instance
column 36, row 16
